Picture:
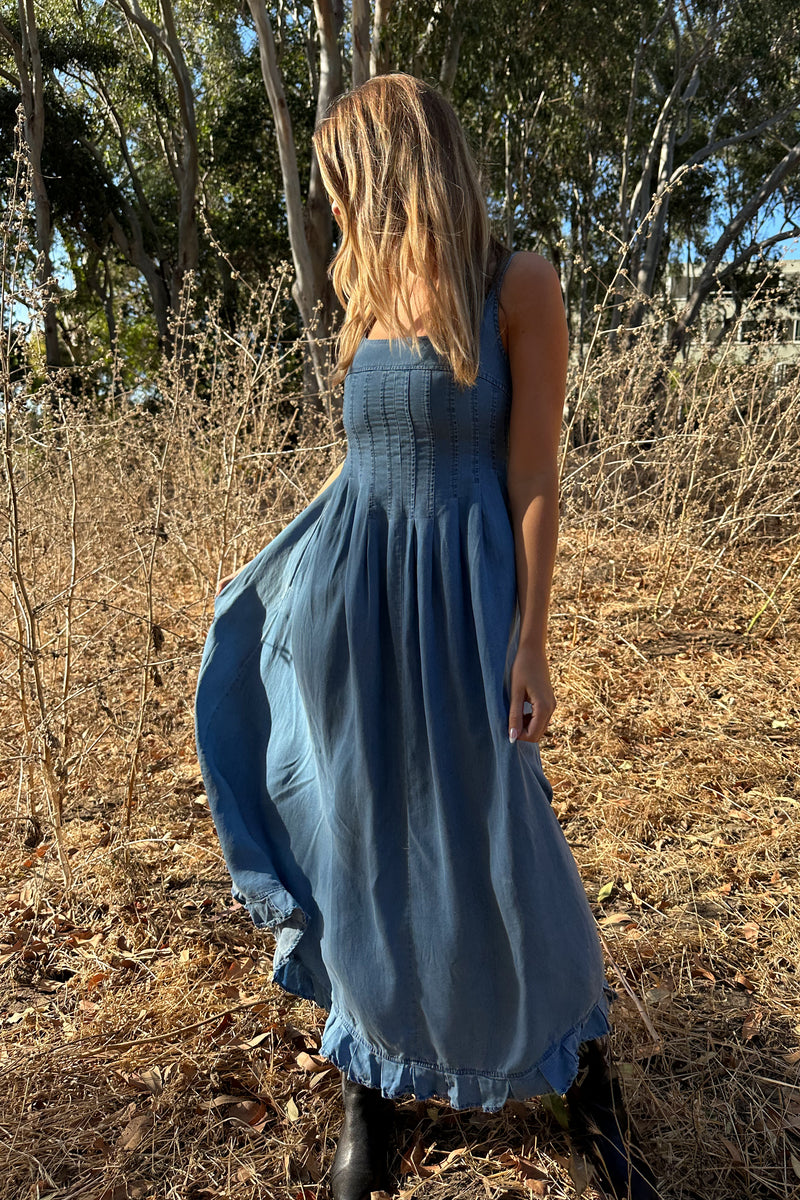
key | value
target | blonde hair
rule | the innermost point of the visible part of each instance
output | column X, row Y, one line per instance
column 393, row 155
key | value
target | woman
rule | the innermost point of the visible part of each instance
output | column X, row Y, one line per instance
column 370, row 766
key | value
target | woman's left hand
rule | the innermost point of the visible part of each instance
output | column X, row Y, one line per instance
column 530, row 680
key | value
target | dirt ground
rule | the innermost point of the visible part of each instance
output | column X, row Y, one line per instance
column 145, row 1052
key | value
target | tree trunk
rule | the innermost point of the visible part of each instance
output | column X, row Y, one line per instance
column 379, row 52
column 361, row 42
column 319, row 222
column 455, row 32
column 711, row 272
column 304, row 290
column 29, row 68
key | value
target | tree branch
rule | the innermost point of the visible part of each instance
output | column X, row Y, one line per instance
column 788, row 164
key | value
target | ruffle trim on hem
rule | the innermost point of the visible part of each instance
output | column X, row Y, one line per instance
column 396, row 1078
column 279, row 912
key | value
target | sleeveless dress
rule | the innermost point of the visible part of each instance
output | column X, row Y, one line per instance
column 352, row 731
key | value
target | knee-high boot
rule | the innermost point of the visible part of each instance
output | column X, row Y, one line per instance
column 600, row 1128
column 360, row 1163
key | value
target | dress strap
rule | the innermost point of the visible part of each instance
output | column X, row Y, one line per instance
column 500, row 272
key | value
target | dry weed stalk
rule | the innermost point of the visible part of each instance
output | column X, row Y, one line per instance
column 37, row 731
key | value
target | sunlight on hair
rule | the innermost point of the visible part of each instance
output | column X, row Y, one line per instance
column 395, row 159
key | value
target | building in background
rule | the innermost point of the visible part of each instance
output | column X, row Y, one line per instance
column 761, row 315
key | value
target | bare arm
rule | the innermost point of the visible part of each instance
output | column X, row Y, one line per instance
column 537, row 349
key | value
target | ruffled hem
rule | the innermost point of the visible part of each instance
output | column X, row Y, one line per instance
column 397, row 1078
column 279, row 912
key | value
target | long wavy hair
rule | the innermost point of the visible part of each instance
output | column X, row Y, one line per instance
column 394, row 157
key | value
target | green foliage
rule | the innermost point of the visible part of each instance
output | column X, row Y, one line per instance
column 546, row 93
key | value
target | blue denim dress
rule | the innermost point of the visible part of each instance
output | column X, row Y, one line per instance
column 352, row 730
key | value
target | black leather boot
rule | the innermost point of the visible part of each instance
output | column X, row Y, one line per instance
column 360, row 1163
column 600, row 1128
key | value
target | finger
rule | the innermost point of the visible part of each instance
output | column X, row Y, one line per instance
column 516, row 725
column 540, row 721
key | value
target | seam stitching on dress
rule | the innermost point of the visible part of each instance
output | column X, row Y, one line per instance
column 451, row 417
column 371, row 437
column 428, row 417
column 386, row 433
column 476, row 446
column 412, row 441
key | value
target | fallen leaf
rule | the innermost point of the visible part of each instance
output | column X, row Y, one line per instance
column 292, row 1111
column 225, row 1023
column 622, row 918
column 752, row 1023
column 7, row 952
column 321, row 1077
column 135, row 1132
column 655, row 995
column 221, row 1101
column 413, row 1160
column 126, row 1189
column 648, row 1050
column 252, row 1112
column 312, row 1062
column 605, row 891
column 251, row 1043
column 95, row 980
column 751, row 931
column 525, row 1166
column 150, row 1080
column 733, row 1150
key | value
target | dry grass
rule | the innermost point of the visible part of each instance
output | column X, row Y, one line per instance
column 145, row 1048
column 144, row 1051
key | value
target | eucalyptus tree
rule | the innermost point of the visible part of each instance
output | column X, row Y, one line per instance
column 19, row 37
column 150, row 126
column 170, row 137
column 714, row 93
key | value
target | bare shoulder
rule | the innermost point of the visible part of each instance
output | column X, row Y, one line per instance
column 530, row 290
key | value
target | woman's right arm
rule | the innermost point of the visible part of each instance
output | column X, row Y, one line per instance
column 226, row 580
